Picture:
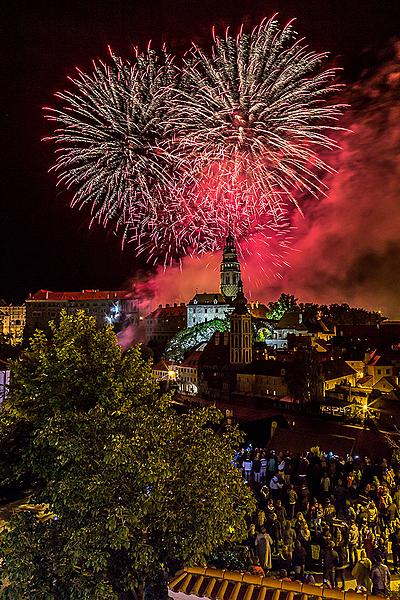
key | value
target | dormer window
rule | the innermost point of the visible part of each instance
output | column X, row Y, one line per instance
column 215, row 301
column 195, row 301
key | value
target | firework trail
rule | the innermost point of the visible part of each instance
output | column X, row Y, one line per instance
column 250, row 119
column 229, row 141
column 110, row 140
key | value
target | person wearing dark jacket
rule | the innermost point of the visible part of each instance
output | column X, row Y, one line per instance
column 380, row 579
column 340, row 494
column 299, row 559
column 340, row 569
column 330, row 560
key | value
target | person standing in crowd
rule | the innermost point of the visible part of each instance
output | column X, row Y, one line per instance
column 340, row 495
column 257, row 469
column 362, row 572
column 263, row 546
column 276, row 484
column 342, row 564
column 263, row 467
column 280, row 512
column 325, row 486
column 272, row 466
column 292, row 501
column 247, row 467
column 380, row 579
column 260, row 518
column 299, row 559
column 356, row 513
column 330, row 560
column 289, row 536
column 353, row 538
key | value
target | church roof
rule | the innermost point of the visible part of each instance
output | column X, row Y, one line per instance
column 208, row 298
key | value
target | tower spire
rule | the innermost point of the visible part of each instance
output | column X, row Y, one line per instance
column 229, row 269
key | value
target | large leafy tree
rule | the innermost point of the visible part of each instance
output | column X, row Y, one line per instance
column 277, row 309
column 130, row 484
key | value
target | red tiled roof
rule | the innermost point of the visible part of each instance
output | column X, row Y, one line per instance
column 206, row 298
column 192, row 360
column 163, row 365
column 83, row 295
column 167, row 311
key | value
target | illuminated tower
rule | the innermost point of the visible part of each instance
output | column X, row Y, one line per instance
column 229, row 270
column 241, row 336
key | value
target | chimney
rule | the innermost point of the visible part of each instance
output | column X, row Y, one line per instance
column 300, row 318
column 47, row 295
column 217, row 338
column 175, row 305
column 167, row 306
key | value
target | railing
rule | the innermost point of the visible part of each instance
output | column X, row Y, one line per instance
column 218, row 584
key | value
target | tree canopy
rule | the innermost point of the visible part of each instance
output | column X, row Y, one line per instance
column 188, row 339
column 335, row 314
column 277, row 309
column 130, row 484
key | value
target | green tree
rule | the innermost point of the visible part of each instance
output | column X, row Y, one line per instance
column 277, row 309
column 188, row 339
column 131, row 485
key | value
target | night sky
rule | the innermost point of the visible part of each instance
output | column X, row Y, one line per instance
column 45, row 243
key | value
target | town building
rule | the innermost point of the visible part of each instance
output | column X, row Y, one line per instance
column 293, row 325
column 106, row 306
column 205, row 306
column 290, row 324
column 163, row 323
column 241, row 335
column 337, row 372
column 188, row 374
column 12, row 322
column 377, row 366
column 264, row 378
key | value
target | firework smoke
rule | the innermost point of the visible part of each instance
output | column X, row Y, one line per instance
column 347, row 248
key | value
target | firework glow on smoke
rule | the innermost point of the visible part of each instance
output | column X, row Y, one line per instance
column 179, row 153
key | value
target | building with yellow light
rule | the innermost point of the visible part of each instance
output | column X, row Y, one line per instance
column 12, row 322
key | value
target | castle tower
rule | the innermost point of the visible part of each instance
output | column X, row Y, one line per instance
column 241, row 336
column 229, row 270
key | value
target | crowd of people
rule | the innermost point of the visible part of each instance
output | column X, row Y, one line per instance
column 319, row 512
